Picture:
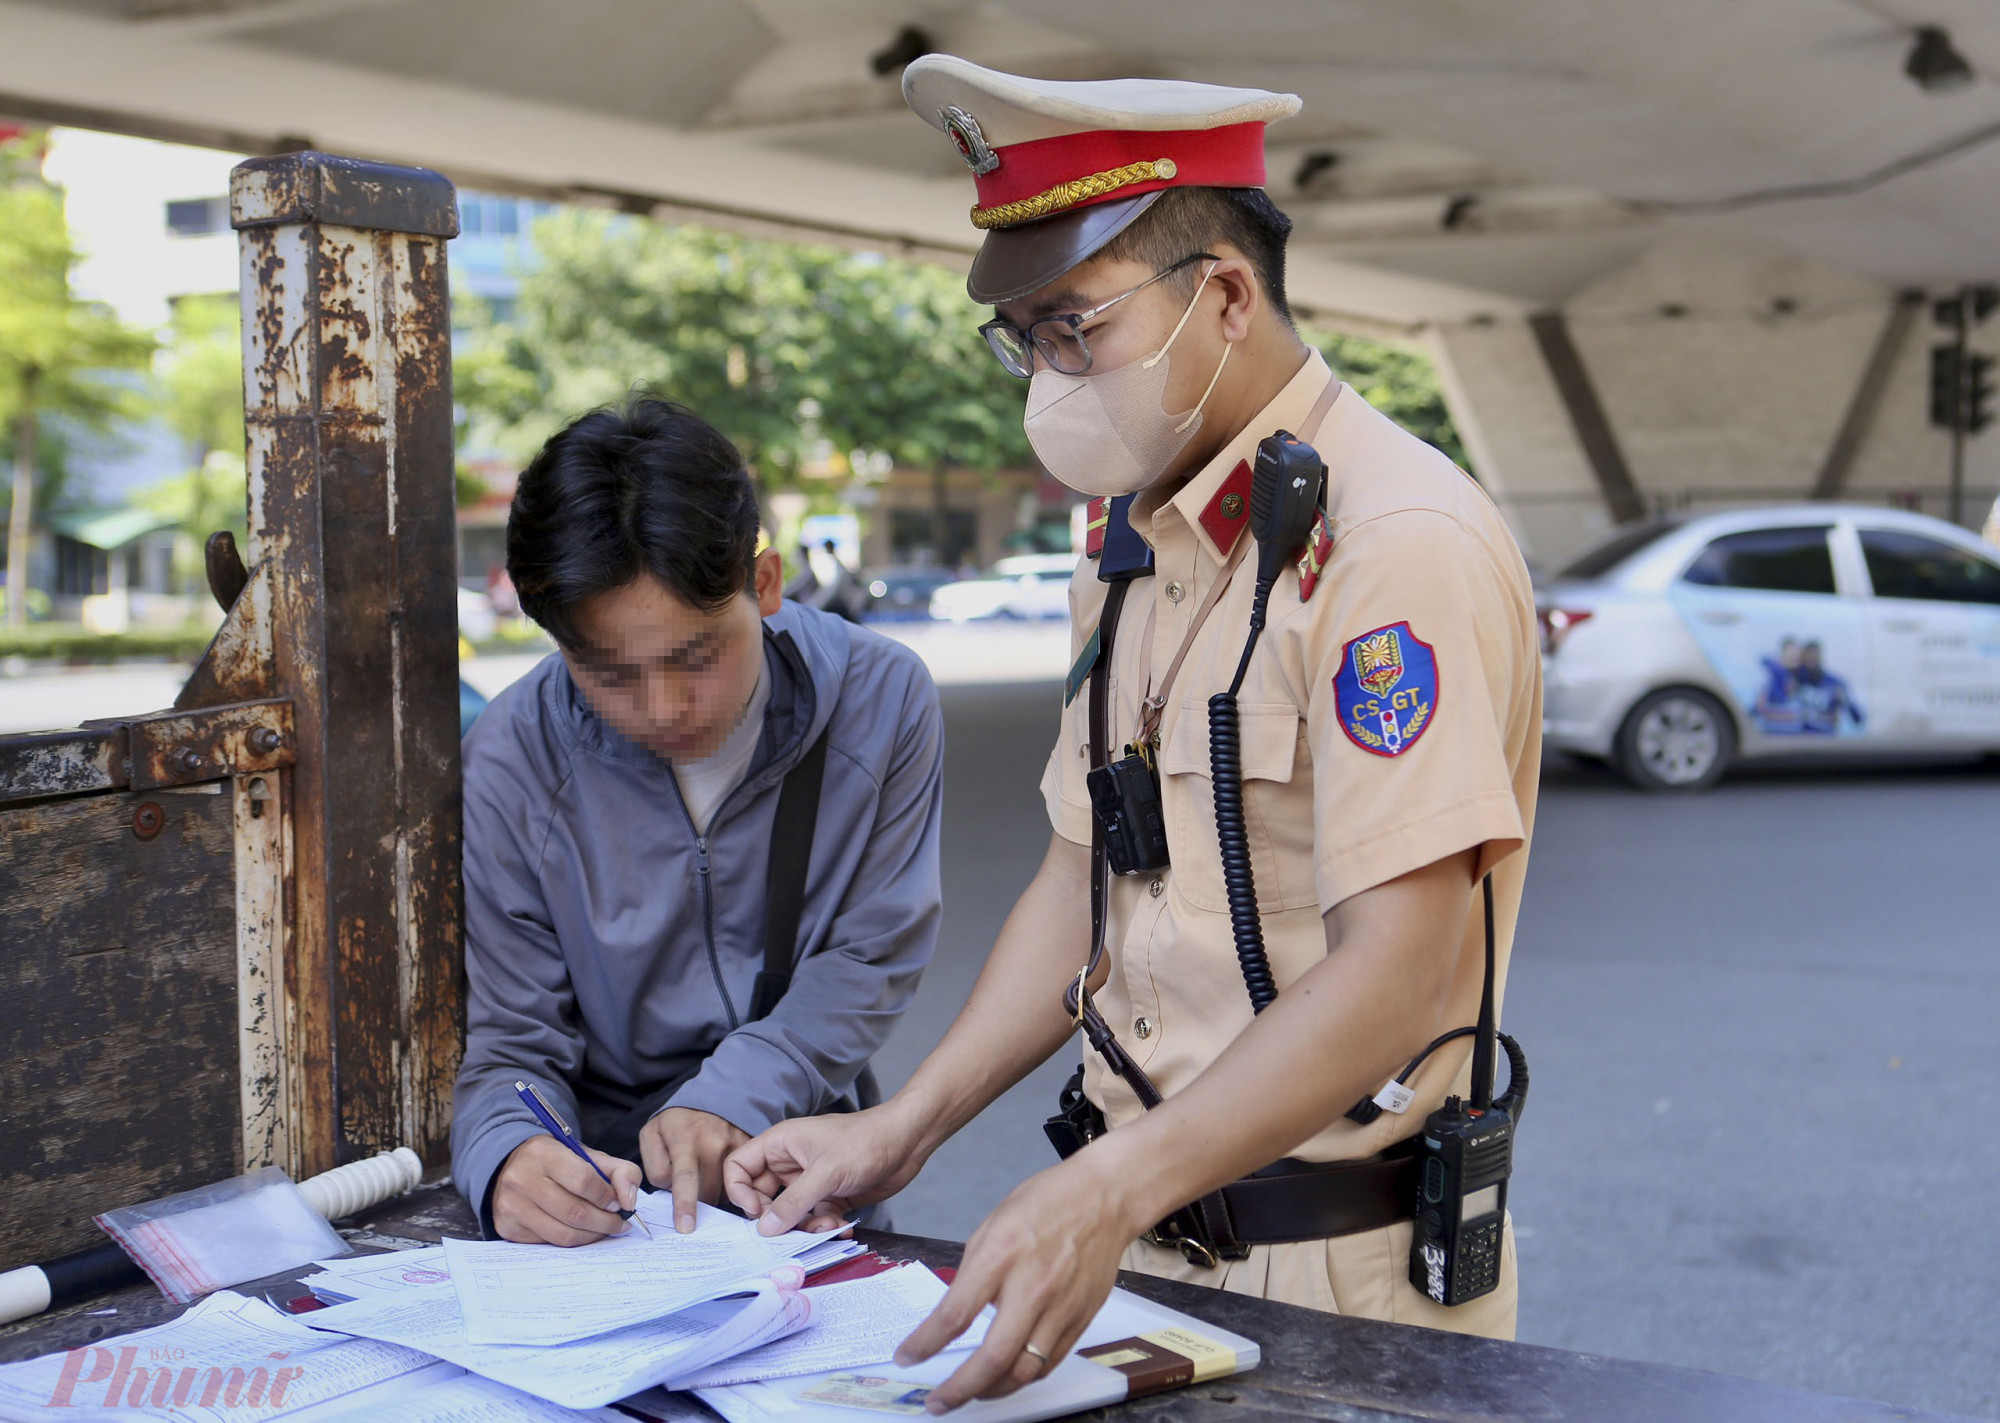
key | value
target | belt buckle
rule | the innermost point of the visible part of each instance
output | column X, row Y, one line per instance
column 1195, row 1253
column 1192, row 1250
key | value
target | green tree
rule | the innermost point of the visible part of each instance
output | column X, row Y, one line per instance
column 55, row 350
column 786, row 348
column 1397, row 380
column 913, row 378
column 197, row 392
column 729, row 325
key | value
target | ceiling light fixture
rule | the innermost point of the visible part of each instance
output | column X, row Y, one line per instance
column 1935, row 63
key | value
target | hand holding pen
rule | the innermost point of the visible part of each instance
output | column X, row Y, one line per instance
column 537, row 1198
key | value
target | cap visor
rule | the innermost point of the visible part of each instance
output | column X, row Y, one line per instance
column 1014, row 261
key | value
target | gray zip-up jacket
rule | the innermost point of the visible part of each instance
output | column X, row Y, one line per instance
column 609, row 949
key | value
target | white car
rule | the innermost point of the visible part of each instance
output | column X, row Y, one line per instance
column 476, row 618
column 1028, row 585
column 1680, row 647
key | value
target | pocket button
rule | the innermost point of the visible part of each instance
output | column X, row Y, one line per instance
column 1157, row 888
column 1175, row 591
column 1143, row 1027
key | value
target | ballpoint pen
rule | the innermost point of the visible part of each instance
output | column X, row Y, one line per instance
column 559, row 1129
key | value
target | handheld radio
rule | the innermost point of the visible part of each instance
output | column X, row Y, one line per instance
column 1465, row 1156
column 1285, row 487
column 1464, row 1159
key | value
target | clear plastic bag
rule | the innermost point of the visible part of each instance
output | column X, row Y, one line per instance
column 206, row 1239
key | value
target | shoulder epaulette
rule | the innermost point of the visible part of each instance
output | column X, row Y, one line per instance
column 1312, row 559
column 1096, row 514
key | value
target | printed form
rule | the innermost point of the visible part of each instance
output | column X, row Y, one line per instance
column 587, row 1373
column 536, row 1294
column 228, row 1358
column 853, row 1325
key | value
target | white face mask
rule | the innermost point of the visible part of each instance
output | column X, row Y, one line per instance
column 1111, row 433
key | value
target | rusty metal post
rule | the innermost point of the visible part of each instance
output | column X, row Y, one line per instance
column 348, row 400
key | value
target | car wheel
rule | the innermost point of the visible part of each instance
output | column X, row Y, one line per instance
column 1676, row 739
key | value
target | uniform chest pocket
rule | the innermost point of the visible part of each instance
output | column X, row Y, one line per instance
column 1277, row 806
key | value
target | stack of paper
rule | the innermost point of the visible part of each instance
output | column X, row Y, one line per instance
column 365, row 1276
column 398, row 1352
column 227, row 1358
column 1131, row 1349
column 488, row 1332
column 530, row 1294
column 586, row 1373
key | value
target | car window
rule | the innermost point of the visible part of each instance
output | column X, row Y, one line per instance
column 1778, row 560
column 1619, row 547
column 1905, row 565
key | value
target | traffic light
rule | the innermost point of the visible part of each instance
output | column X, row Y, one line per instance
column 1977, row 397
column 1947, row 386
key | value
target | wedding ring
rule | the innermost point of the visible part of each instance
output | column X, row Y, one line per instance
column 1031, row 1349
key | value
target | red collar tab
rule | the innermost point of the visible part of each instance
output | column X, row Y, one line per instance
column 1097, row 515
column 1312, row 559
column 1227, row 513
column 1228, row 157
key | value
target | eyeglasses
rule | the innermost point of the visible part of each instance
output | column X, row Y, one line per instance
column 1058, row 340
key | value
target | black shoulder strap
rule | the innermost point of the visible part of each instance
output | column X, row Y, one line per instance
column 785, row 884
column 1483, row 1040
column 1100, row 716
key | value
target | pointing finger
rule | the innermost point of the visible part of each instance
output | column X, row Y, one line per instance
column 686, row 1188
column 794, row 1203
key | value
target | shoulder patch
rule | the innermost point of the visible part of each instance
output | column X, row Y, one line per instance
column 1386, row 691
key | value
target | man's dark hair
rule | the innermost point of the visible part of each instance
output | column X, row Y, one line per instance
column 1189, row 220
column 646, row 486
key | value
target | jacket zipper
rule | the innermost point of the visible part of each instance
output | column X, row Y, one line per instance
column 703, row 878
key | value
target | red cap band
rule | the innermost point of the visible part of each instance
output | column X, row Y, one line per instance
column 1228, row 157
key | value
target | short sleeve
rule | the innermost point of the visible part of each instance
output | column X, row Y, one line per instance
column 1416, row 663
column 1064, row 789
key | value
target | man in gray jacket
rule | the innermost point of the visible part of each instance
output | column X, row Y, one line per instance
column 620, row 802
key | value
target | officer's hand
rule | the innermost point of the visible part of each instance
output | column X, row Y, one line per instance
column 544, row 1194
column 1046, row 1258
column 815, row 1171
column 684, row 1149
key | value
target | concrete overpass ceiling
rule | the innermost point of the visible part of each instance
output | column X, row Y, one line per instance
column 660, row 61
column 1455, row 156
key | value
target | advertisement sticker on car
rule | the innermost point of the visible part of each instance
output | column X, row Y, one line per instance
column 1794, row 663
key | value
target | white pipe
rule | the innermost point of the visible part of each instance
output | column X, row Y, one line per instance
column 23, row 1292
column 361, row 1184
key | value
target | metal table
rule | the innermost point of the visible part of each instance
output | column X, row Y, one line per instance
column 1315, row 1366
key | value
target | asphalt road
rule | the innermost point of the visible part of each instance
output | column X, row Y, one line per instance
column 1761, row 1022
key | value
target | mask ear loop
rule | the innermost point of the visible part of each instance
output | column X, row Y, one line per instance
column 1161, row 354
column 1195, row 414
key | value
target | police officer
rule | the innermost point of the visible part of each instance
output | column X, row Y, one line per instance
column 1390, row 725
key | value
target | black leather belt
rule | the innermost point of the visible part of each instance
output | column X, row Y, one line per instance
column 1291, row 1200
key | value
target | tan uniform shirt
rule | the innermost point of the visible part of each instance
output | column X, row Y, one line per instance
column 1391, row 719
